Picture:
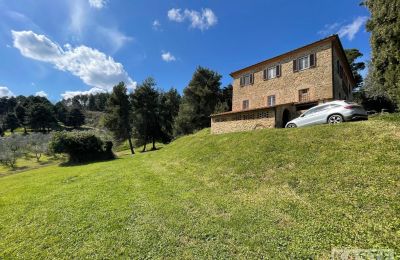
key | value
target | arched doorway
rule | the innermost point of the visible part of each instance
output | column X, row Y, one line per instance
column 285, row 117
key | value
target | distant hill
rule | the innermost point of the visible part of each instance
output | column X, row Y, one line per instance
column 274, row 193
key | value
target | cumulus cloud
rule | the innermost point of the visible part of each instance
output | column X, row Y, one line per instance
column 176, row 15
column 92, row 91
column 201, row 20
column 41, row 94
column 93, row 67
column 97, row 3
column 156, row 25
column 167, row 56
column 5, row 92
column 347, row 30
column 350, row 30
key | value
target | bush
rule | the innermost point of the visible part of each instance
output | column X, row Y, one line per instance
column 81, row 146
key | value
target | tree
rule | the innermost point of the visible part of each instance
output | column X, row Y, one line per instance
column 41, row 117
column 384, row 26
column 38, row 144
column 199, row 101
column 146, row 113
column 169, row 103
column 61, row 112
column 20, row 112
column 352, row 55
column 119, row 115
column 75, row 118
column 11, row 148
column 11, row 122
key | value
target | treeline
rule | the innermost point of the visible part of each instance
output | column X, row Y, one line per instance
column 146, row 115
column 149, row 115
column 37, row 114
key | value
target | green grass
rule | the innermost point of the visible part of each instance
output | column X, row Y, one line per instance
column 29, row 162
column 274, row 193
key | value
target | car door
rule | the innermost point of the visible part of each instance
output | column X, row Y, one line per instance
column 315, row 115
column 321, row 115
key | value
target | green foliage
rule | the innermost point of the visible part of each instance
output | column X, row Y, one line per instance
column 384, row 26
column 199, row 101
column 11, row 122
column 146, row 107
column 81, row 146
column 75, row 118
column 266, row 194
column 38, row 144
column 61, row 112
column 352, row 55
column 118, row 118
column 41, row 117
column 169, row 103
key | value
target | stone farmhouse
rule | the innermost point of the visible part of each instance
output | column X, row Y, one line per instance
column 274, row 91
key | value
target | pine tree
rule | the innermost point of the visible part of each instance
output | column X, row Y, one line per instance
column 384, row 26
column 119, row 114
column 199, row 101
column 352, row 55
column 145, row 102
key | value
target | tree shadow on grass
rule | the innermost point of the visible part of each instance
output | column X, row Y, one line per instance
column 70, row 164
column 151, row 150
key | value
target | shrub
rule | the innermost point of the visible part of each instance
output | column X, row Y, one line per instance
column 81, row 146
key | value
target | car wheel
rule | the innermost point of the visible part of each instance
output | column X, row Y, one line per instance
column 335, row 119
column 291, row 125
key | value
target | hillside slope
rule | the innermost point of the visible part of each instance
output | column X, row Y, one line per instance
column 270, row 193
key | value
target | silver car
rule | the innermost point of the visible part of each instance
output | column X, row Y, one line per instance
column 334, row 112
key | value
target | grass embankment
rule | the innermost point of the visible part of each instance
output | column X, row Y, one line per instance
column 272, row 193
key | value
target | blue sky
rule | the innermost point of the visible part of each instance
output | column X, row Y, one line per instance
column 60, row 48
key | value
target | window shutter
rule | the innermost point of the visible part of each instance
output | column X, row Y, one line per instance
column 251, row 78
column 312, row 60
column 295, row 69
column 278, row 70
column 265, row 74
column 241, row 81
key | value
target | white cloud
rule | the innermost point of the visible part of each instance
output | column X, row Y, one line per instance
column 41, row 94
column 347, row 30
column 202, row 21
column 167, row 56
column 176, row 15
column 115, row 38
column 71, row 94
column 350, row 30
column 97, row 3
column 78, row 17
column 329, row 29
column 93, row 67
column 5, row 92
column 156, row 25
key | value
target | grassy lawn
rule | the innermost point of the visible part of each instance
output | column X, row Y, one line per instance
column 274, row 193
column 29, row 162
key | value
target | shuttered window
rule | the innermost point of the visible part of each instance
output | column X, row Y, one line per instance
column 305, row 62
column 271, row 100
column 272, row 72
column 246, row 79
column 245, row 104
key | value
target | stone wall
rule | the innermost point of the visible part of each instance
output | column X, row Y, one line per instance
column 227, row 123
column 286, row 87
column 338, row 89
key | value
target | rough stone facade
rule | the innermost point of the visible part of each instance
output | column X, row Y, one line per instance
column 243, row 121
column 329, row 79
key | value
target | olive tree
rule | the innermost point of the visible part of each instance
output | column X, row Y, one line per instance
column 11, row 148
column 38, row 144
